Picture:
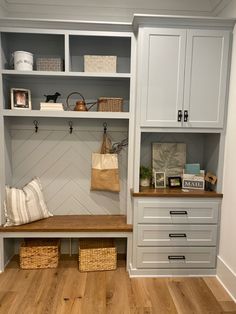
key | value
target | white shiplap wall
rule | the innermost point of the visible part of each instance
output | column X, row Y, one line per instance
column 63, row 163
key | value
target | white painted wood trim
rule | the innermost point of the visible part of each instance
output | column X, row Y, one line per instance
column 67, row 53
column 67, row 73
column 66, row 114
column 155, row 273
column 227, row 277
column 131, row 134
column 141, row 20
column 68, row 234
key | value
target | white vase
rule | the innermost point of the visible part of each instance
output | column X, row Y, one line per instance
column 145, row 182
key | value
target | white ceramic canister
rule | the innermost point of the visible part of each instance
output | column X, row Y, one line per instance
column 23, row 61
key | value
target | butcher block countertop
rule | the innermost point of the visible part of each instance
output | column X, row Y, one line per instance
column 174, row 192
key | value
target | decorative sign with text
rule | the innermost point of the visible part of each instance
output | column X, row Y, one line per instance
column 195, row 182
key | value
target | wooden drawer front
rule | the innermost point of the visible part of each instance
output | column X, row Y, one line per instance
column 178, row 212
column 176, row 257
column 177, row 235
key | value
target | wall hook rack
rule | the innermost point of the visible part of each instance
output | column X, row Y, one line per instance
column 71, row 126
column 36, row 123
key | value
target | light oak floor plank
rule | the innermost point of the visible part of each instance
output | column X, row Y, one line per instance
column 65, row 290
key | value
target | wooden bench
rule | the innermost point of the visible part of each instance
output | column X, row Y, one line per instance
column 70, row 226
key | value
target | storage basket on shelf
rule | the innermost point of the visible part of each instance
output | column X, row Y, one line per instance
column 49, row 64
column 39, row 253
column 110, row 104
column 97, row 254
column 106, row 64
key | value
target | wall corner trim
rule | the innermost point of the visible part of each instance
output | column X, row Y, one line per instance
column 226, row 277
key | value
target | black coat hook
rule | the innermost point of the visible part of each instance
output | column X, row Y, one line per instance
column 105, row 127
column 36, row 123
column 71, row 126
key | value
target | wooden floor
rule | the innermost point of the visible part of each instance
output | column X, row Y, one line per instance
column 66, row 290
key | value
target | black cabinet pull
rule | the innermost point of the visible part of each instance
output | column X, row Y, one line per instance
column 177, row 235
column 176, row 257
column 178, row 212
column 185, row 115
column 180, row 115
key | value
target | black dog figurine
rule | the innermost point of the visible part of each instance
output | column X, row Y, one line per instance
column 52, row 97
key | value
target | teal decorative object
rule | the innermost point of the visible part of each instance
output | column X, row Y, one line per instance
column 192, row 168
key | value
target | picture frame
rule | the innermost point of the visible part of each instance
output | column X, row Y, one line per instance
column 175, row 182
column 20, row 99
column 160, row 180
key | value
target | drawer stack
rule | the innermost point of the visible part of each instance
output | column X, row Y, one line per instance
column 175, row 233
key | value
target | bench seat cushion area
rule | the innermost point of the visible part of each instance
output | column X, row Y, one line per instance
column 75, row 223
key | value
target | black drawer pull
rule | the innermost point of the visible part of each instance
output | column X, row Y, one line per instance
column 176, row 257
column 177, row 235
column 178, row 212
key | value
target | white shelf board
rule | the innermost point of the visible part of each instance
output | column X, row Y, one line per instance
column 65, row 74
column 65, row 114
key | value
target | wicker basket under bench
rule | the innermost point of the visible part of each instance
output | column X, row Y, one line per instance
column 39, row 253
column 97, row 255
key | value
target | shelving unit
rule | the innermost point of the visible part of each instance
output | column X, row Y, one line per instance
column 63, row 160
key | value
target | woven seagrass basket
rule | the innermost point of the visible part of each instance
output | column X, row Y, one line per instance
column 110, row 104
column 39, row 253
column 97, row 255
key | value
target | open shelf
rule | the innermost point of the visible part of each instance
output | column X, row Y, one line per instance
column 66, row 114
column 65, row 74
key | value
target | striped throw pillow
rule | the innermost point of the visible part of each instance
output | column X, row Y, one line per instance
column 25, row 205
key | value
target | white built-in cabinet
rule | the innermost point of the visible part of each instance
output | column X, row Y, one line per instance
column 183, row 77
column 182, row 84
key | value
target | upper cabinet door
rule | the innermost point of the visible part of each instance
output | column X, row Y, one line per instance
column 206, row 78
column 161, row 76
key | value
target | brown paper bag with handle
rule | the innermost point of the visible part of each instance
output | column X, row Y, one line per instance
column 105, row 170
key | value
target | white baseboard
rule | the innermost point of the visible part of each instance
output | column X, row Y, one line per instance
column 139, row 272
column 227, row 277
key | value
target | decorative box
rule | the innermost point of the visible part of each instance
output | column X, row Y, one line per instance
column 39, row 253
column 194, row 181
column 49, row 64
column 97, row 254
column 100, row 63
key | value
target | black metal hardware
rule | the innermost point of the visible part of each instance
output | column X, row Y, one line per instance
column 185, row 115
column 36, row 123
column 105, row 127
column 180, row 115
column 71, row 126
column 178, row 212
column 176, row 257
column 177, row 235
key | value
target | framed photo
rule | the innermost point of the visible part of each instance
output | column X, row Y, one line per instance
column 175, row 182
column 20, row 98
column 160, row 180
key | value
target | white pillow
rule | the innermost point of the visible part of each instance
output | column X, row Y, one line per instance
column 25, row 205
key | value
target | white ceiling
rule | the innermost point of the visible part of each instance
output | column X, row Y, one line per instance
column 107, row 10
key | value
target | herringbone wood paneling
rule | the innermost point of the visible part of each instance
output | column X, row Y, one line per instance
column 63, row 163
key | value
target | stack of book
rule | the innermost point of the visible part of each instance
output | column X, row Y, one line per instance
column 51, row 106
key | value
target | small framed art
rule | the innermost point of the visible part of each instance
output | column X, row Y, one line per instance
column 20, row 98
column 174, row 182
column 160, row 180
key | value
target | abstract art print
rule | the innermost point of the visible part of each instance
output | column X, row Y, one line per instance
column 169, row 158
